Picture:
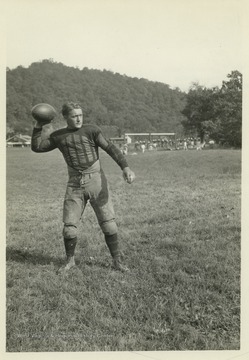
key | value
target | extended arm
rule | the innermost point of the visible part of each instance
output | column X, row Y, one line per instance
column 112, row 150
column 117, row 156
column 38, row 144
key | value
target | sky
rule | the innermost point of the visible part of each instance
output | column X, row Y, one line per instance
column 176, row 42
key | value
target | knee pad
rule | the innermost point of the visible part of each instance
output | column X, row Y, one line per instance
column 109, row 227
column 69, row 231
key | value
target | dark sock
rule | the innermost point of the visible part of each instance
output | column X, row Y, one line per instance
column 70, row 245
column 112, row 243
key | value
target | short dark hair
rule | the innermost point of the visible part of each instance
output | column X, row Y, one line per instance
column 69, row 106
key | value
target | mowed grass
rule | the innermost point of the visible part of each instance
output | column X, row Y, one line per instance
column 179, row 228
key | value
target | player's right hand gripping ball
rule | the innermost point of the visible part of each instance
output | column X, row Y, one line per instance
column 44, row 113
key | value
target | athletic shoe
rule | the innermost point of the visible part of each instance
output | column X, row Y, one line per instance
column 119, row 266
column 68, row 266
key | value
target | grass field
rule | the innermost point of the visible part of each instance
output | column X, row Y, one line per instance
column 179, row 226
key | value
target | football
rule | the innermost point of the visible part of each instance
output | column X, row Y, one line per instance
column 43, row 113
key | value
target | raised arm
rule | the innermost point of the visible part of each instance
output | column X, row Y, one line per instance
column 38, row 144
column 117, row 156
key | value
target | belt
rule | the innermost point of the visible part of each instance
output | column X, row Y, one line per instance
column 80, row 179
column 86, row 175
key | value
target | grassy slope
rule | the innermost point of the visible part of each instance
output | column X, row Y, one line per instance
column 179, row 225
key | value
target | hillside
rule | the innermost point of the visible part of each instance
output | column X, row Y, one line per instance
column 108, row 99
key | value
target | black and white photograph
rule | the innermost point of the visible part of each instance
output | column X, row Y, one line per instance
column 125, row 183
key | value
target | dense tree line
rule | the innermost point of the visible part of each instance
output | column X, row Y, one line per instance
column 216, row 113
column 108, row 99
column 124, row 104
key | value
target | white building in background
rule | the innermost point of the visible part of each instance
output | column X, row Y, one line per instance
column 19, row 140
column 128, row 139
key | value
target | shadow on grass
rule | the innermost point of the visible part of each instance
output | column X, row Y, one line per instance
column 23, row 256
column 38, row 258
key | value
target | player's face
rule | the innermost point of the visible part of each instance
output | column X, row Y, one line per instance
column 75, row 119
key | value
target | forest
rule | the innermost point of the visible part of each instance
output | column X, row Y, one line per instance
column 125, row 104
column 108, row 99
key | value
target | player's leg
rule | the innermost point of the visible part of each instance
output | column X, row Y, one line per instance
column 102, row 205
column 74, row 205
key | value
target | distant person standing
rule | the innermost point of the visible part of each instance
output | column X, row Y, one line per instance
column 185, row 145
column 79, row 144
column 125, row 149
column 198, row 144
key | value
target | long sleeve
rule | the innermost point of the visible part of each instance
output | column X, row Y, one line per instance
column 40, row 145
column 112, row 150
